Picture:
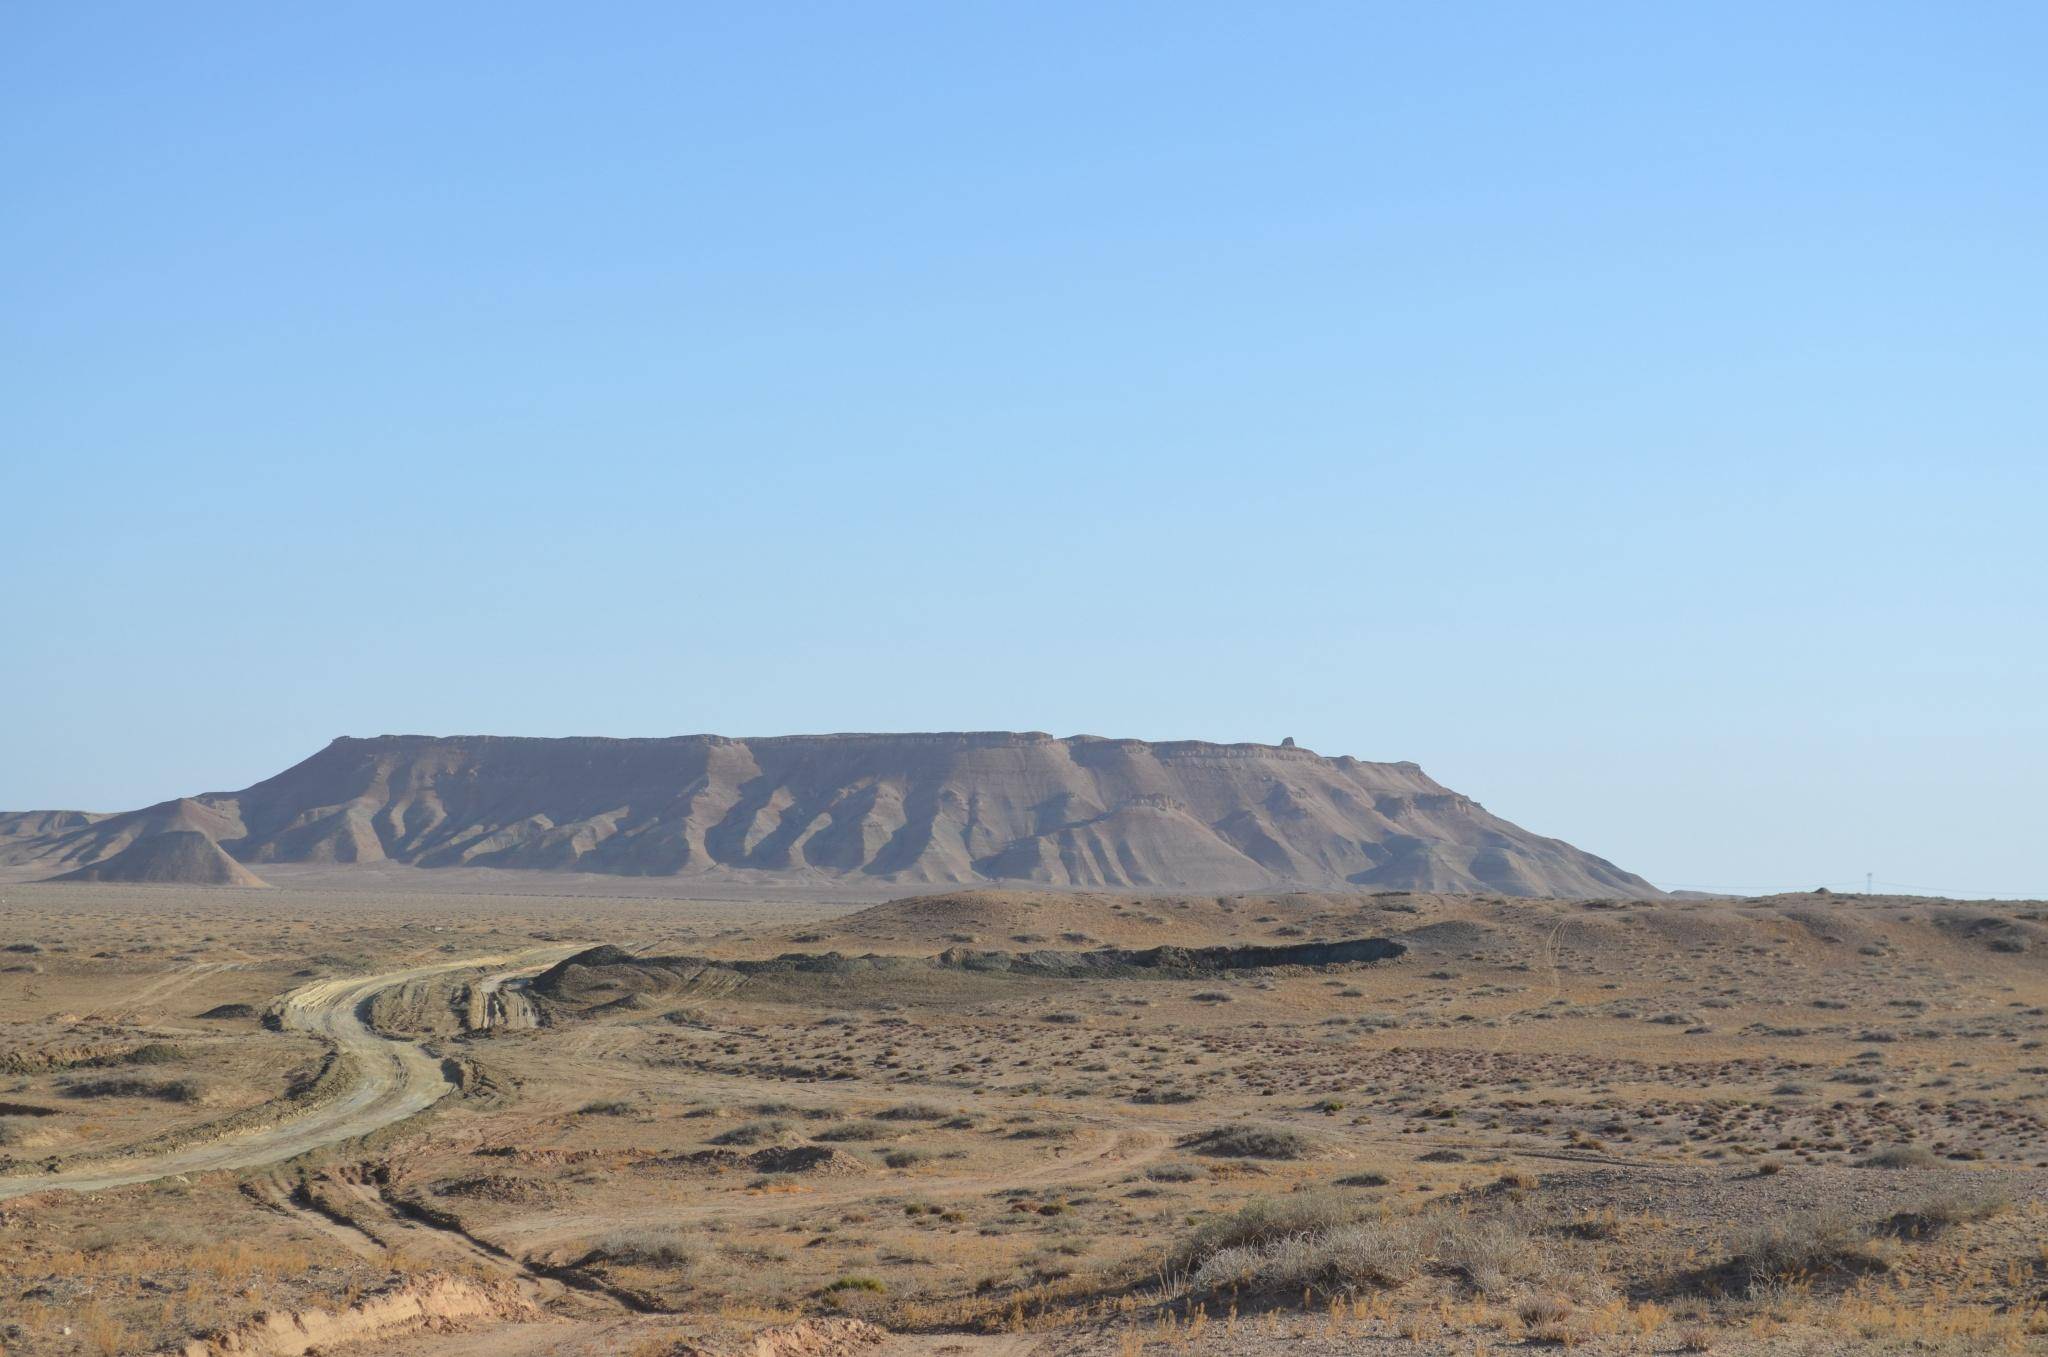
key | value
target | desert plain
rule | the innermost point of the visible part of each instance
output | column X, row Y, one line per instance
column 401, row 1111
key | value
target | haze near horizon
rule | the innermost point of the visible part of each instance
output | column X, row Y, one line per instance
column 1631, row 417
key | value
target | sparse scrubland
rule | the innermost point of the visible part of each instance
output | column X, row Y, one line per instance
column 1805, row 1124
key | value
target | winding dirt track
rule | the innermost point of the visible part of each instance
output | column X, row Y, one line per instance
column 390, row 1081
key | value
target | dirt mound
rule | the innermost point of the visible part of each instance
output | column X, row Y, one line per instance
column 1075, row 919
column 818, row 1159
column 1175, row 961
column 498, row 1187
column 806, row 1338
column 606, row 978
column 418, row 1303
column 937, row 808
column 821, row 1160
column 182, row 857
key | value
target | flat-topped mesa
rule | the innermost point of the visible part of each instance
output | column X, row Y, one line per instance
column 944, row 807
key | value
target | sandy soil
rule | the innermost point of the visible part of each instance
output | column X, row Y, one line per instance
column 1569, row 1120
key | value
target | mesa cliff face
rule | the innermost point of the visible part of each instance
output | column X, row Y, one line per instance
column 936, row 808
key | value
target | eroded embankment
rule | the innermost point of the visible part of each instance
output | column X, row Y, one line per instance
column 415, row 1304
column 607, row 974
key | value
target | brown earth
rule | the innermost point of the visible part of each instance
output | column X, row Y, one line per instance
column 1545, row 1124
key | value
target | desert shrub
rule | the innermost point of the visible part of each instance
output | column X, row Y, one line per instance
column 1490, row 1253
column 611, row 1108
column 125, row 1086
column 1364, row 1180
column 854, row 1284
column 1938, row 1212
column 905, row 1157
column 1604, row 1223
column 1518, row 1180
column 912, row 1112
column 646, row 1247
column 1262, row 1221
column 103, row 1334
column 149, row 1053
column 854, row 1130
column 1538, row 1312
column 1900, row 1157
column 1377, row 1253
column 1174, row 1173
column 1164, row 1097
column 1818, row 1246
column 1695, row 1338
column 1249, row 1141
column 753, row 1132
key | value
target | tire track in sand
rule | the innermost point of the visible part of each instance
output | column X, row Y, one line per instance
column 390, row 1080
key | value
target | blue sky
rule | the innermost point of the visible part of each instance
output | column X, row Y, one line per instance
column 1633, row 414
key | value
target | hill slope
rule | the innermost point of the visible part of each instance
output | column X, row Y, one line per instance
column 939, row 808
column 180, row 857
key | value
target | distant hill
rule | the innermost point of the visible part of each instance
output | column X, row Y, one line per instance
column 30, row 824
column 178, row 857
column 934, row 808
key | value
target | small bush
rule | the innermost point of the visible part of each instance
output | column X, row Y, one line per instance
column 1490, row 1253
column 1939, row 1212
column 753, row 1132
column 646, row 1248
column 1900, row 1157
column 1247, row 1141
column 163, row 1090
column 1173, row 1173
column 1822, row 1246
column 1345, row 1258
column 1262, row 1221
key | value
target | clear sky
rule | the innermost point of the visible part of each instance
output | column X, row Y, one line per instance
column 1635, row 414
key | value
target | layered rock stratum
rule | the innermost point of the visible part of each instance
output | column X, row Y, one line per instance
column 956, row 808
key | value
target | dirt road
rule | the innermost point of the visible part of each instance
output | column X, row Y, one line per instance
column 390, row 1080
